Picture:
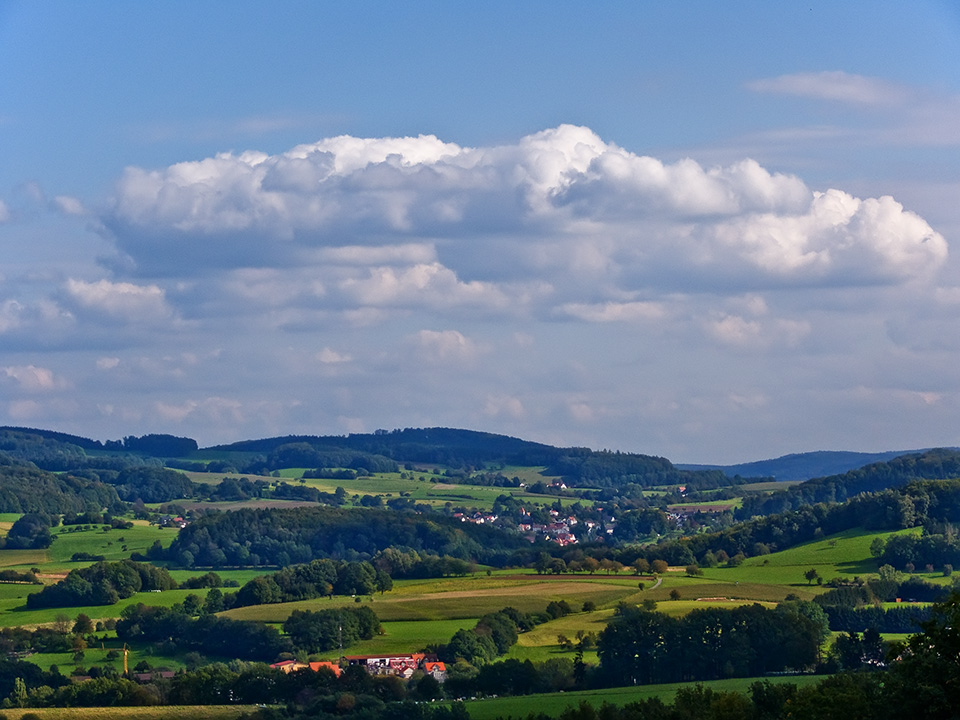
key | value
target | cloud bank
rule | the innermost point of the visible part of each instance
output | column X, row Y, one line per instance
column 559, row 284
column 552, row 205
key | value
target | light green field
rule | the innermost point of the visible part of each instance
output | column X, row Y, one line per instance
column 553, row 703
column 109, row 543
column 13, row 610
column 55, row 560
column 845, row 554
column 405, row 637
column 464, row 598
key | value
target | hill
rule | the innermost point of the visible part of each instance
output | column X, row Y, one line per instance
column 803, row 466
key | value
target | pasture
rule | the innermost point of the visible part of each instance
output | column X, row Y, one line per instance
column 553, row 703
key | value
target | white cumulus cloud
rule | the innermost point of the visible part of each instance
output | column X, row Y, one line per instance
column 122, row 300
column 432, row 222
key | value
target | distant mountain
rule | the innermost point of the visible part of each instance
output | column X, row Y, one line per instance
column 804, row 466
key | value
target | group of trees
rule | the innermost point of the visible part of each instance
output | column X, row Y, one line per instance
column 314, row 579
column 103, row 583
column 176, row 630
column 322, row 630
column 909, row 551
column 642, row 647
column 282, row 536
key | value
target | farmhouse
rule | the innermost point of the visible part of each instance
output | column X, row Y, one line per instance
column 400, row 665
column 289, row 666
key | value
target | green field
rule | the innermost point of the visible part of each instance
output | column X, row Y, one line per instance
column 553, row 703
column 843, row 555
column 431, row 490
column 463, row 598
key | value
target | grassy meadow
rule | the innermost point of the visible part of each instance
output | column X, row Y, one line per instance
column 554, row 703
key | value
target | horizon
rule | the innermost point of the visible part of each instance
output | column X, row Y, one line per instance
column 675, row 462
column 700, row 232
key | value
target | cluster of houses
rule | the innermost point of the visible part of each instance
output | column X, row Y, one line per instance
column 171, row 521
column 477, row 518
column 558, row 530
column 402, row 666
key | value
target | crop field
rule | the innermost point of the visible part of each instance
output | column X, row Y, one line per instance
column 707, row 506
column 553, row 703
column 767, row 486
column 525, row 595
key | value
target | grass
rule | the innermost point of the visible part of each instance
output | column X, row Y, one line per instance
column 113, row 544
column 13, row 610
column 431, row 490
column 553, row 704
column 406, row 636
column 463, row 598
column 846, row 554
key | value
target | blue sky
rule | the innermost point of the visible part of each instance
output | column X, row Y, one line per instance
column 710, row 231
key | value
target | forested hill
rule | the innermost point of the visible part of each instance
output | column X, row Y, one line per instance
column 284, row 536
column 468, row 449
column 445, row 446
column 938, row 464
column 804, row 466
column 26, row 489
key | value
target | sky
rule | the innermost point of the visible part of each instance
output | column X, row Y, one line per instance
column 713, row 232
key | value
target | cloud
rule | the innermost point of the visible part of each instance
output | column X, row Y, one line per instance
column 839, row 238
column 211, row 409
column 834, row 85
column 119, row 300
column 445, row 346
column 755, row 328
column 69, row 205
column 10, row 313
column 4, row 212
column 615, row 311
column 504, row 406
column 33, row 378
column 332, row 357
column 426, row 223
column 422, row 284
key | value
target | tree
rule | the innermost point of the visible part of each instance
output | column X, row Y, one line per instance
column 384, row 582
column 811, row 575
column 213, row 603
column 925, row 682
column 83, row 625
